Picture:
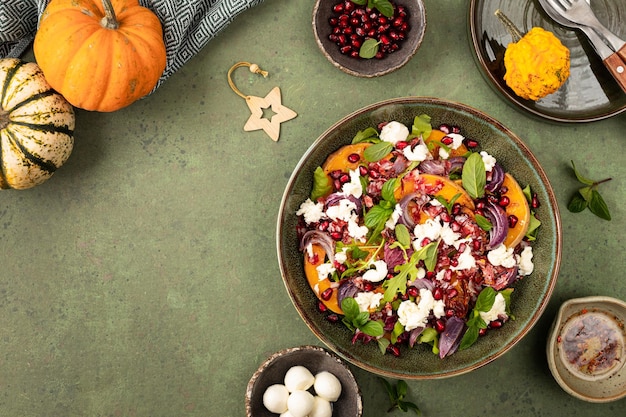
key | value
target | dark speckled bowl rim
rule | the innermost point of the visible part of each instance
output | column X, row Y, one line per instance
column 369, row 68
column 418, row 364
column 254, row 396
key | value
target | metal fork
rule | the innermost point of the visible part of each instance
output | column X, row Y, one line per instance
column 579, row 12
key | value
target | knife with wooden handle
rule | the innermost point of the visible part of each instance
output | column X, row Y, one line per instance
column 612, row 60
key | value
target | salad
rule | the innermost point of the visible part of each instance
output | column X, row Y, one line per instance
column 412, row 235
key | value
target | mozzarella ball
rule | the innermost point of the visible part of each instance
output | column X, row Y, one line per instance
column 300, row 403
column 286, row 414
column 321, row 408
column 298, row 378
column 275, row 398
column 327, row 386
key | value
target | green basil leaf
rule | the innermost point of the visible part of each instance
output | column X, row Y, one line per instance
column 321, row 184
column 401, row 389
column 360, row 2
column 382, row 344
column 507, row 299
column 485, row 299
column 579, row 177
column 377, row 151
column 376, row 216
column 372, row 328
column 367, row 135
column 402, row 235
column 350, row 308
column 533, row 227
column 390, row 391
column 528, row 193
column 357, row 253
column 398, row 329
column 369, row 48
column 388, row 190
column 384, row 7
column 577, row 203
column 474, row 176
column 598, row 207
column 430, row 255
column 421, row 126
column 469, row 338
column 586, row 193
column 483, row 222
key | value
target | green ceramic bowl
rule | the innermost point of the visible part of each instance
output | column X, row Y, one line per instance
column 531, row 294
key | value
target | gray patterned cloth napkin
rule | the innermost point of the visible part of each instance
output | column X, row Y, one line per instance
column 188, row 25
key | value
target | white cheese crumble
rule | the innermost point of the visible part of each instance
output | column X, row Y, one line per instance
column 368, row 300
column 357, row 232
column 354, row 187
column 345, row 210
column 466, row 260
column 433, row 230
column 443, row 154
column 413, row 315
column 324, row 270
column 378, row 273
column 394, row 132
column 395, row 216
column 312, row 212
column 497, row 310
column 457, row 140
column 419, row 153
column 525, row 261
column 501, row 256
column 488, row 160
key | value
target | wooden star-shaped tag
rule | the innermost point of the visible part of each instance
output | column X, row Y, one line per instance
column 271, row 126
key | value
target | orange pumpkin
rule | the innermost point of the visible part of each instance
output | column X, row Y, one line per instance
column 101, row 55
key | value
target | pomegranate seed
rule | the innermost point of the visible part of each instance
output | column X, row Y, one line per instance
column 345, row 49
column 336, row 235
column 337, row 184
column 353, row 157
column 452, row 292
column 480, row 205
column 440, row 326
column 455, row 228
column 338, row 8
column 430, row 274
column 482, row 332
column 425, row 242
column 363, row 171
column 504, row 189
column 412, row 291
column 456, row 208
column 382, row 20
column 479, row 211
column 323, row 225
column 444, row 128
column 379, row 55
column 450, row 312
column 535, row 201
column 496, row 324
column 471, row 143
column 314, row 259
column 327, row 294
column 344, row 178
column 447, row 140
column 348, row 6
column 374, row 174
column 512, row 221
column 476, row 244
column 445, row 216
column 355, row 21
column 504, row 201
column 333, row 318
column 368, row 286
column 394, row 350
column 402, row 144
column 438, row 294
column 354, row 54
column 321, row 307
column 456, row 129
column 384, row 39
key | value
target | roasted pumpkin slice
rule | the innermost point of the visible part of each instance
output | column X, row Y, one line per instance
column 319, row 286
column 518, row 207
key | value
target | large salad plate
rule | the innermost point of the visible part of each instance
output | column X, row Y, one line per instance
column 531, row 294
column 589, row 94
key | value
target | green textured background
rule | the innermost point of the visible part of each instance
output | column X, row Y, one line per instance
column 142, row 279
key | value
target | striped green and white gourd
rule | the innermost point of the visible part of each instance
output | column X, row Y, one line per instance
column 36, row 126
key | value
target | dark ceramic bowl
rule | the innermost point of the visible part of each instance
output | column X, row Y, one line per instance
column 531, row 293
column 315, row 359
column 322, row 12
column 596, row 374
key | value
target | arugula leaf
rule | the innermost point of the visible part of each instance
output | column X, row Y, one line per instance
column 431, row 337
column 533, row 228
column 474, row 176
column 397, row 396
column 377, row 151
column 409, row 270
column 588, row 197
column 368, row 135
column 321, row 184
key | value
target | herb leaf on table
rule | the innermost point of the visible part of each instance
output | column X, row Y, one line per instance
column 397, row 394
column 588, row 197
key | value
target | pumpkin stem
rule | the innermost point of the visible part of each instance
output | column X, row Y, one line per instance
column 510, row 26
column 109, row 21
column 4, row 119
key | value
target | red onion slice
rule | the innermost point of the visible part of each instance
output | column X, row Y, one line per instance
column 450, row 338
column 497, row 217
column 315, row 237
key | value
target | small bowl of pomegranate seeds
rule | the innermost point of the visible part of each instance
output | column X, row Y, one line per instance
column 587, row 348
column 419, row 238
column 303, row 381
column 369, row 42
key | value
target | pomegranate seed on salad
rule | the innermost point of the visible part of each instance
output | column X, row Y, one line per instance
column 420, row 242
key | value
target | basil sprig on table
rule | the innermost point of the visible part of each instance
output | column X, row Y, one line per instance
column 589, row 197
column 397, row 394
